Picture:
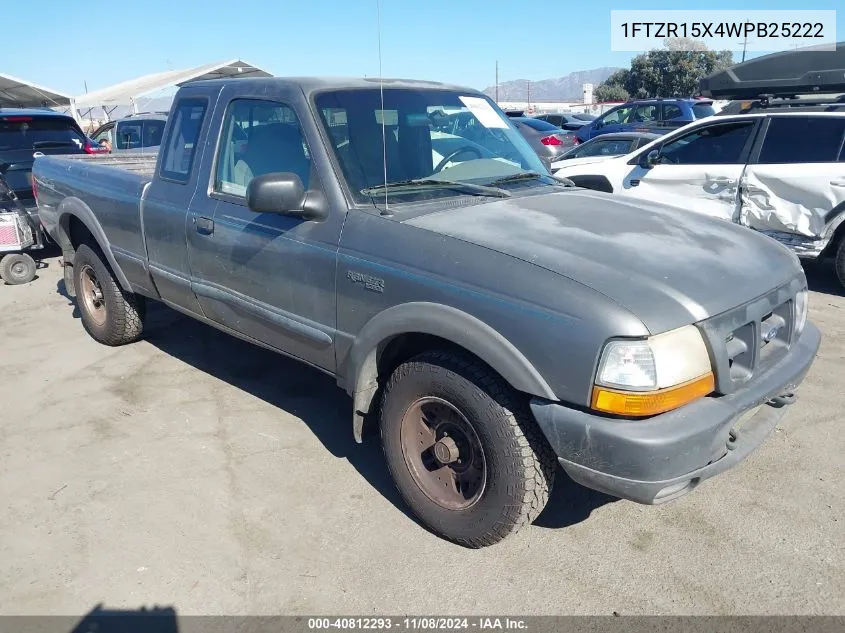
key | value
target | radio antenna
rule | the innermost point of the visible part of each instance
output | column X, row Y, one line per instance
column 381, row 94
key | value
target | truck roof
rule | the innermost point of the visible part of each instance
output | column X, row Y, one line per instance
column 315, row 84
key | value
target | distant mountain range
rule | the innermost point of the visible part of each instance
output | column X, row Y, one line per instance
column 567, row 88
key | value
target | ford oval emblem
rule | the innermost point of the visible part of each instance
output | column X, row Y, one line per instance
column 770, row 334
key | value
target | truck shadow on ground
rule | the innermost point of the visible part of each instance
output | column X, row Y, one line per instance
column 315, row 398
column 143, row 620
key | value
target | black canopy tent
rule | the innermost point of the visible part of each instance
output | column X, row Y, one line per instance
column 805, row 71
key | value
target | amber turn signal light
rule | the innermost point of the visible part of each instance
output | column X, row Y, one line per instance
column 637, row 404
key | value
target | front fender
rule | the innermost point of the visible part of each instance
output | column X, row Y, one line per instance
column 72, row 207
column 360, row 369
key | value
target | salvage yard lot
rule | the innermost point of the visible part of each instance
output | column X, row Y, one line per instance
column 194, row 471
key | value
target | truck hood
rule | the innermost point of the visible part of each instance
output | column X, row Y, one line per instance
column 668, row 267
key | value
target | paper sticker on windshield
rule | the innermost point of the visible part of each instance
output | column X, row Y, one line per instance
column 484, row 112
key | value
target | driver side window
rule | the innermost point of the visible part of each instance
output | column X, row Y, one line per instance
column 619, row 115
column 259, row 137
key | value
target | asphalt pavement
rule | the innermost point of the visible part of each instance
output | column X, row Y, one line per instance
column 194, row 471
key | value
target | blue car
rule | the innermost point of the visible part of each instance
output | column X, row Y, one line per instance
column 647, row 115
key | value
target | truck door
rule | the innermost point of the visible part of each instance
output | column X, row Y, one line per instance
column 699, row 170
column 269, row 276
column 797, row 183
column 166, row 204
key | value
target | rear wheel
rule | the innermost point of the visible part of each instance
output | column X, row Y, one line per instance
column 109, row 314
column 463, row 449
column 17, row 268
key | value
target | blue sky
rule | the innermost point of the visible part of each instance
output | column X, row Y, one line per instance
column 458, row 41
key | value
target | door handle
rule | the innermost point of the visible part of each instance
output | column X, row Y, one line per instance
column 838, row 183
column 723, row 181
column 205, row 226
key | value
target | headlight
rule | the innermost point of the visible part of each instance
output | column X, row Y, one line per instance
column 802, row 300
column 638, row 378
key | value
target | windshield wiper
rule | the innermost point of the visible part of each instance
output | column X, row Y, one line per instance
column 529, row 175
column 467, row 187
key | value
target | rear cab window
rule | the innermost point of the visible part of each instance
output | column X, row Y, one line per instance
column 800, row 139
column 180, row 147
column 27, row 132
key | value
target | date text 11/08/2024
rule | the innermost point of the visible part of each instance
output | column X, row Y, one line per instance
column 417, row 624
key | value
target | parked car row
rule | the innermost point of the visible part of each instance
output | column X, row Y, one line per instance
column 776, row 165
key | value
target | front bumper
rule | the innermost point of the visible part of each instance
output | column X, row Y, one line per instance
column 661, row 458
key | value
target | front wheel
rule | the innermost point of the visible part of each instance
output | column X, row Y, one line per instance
column 463, row 449
column 839, row 262
column 109, row 314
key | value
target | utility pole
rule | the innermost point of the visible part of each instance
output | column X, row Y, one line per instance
column 497, row 81
column 744, row 43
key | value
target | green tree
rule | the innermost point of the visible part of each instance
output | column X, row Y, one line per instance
column 673, row 71
column 613, row 88
column 611, row 92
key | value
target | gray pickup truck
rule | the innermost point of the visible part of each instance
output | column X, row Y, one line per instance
column 493, row 320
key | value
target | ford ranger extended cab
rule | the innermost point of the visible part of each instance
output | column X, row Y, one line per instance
column 494, row 321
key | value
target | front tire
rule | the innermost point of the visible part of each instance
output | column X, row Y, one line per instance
column 839, row 261
column 17, row 268
column 110, row 315
column 463, row 449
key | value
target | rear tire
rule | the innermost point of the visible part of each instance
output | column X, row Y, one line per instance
column 463, row 449
column 17, row 268
column 839, row 261
column 110, row 315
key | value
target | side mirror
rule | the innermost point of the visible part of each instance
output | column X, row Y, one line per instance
column 598, row 123
column 283, row 193
column 651, row 159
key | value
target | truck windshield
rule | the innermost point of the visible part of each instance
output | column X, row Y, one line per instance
column 33, row 132
column 420, row 143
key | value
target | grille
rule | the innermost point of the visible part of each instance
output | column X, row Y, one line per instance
column 746, row 340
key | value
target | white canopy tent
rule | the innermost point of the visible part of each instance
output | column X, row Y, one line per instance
column 19, row 93
column 128, row 93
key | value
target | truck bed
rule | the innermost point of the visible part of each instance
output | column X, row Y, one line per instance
column 139, row 164
column 104, row 190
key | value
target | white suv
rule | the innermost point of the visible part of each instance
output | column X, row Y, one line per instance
column 779, row 172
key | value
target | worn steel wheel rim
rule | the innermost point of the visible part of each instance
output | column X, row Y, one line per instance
column 92, row 295
column 19, row 269
column 443, row 453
